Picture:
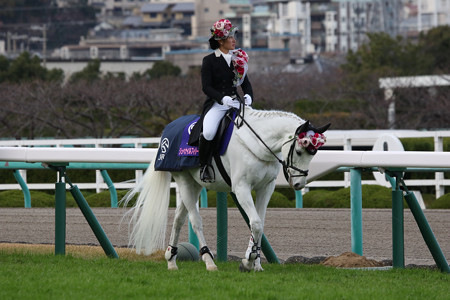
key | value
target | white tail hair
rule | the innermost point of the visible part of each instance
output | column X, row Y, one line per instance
column 149, row 214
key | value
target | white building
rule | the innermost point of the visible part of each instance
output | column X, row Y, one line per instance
column 346, row 26
column 290, row 27
column 432, row 13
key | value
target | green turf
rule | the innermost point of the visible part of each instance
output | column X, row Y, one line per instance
column 40, row 276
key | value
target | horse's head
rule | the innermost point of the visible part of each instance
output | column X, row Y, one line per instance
column 299, row 151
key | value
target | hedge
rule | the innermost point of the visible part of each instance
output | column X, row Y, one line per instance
column 373, row 197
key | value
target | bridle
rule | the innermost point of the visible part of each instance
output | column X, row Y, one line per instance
column 287, row 164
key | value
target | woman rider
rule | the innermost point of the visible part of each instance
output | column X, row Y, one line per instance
column 222, row 71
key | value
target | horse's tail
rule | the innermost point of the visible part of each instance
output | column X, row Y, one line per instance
column 149, row 214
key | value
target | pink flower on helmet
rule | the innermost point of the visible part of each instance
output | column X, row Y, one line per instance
column 219, row 25
column 221, row 29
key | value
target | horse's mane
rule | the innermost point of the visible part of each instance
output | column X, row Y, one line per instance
column 272, row 113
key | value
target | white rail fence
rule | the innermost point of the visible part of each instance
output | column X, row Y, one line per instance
column 346, row 140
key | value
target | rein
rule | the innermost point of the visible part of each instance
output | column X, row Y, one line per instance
column 285, row 163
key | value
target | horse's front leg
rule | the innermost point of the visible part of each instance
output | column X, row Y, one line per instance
column 254, row 250
column 244, row 198
column 261, row 202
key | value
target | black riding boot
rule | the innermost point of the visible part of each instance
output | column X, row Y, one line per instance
column 205, row 157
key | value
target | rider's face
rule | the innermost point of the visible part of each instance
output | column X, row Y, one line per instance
column 228, row 44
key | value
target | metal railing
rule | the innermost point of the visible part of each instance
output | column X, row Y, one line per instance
column 343, row 139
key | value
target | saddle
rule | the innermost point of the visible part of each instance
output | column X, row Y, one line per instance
column 178, row 151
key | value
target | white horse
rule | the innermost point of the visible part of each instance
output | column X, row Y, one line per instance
column 252, row 162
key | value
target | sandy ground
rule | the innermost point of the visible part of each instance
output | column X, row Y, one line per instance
column 291, row 232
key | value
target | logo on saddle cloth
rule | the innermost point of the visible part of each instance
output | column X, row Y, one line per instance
column 185, row 148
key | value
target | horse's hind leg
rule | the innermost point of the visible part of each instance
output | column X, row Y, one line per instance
column 180, row 217
column 190, row 192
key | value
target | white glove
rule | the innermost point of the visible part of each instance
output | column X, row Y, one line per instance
column 230, row 102
column 248, row 99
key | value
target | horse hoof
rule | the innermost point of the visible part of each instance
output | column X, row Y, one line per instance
column 242, row 268
column 212, row 268
column 172, row 265
column 259, row 269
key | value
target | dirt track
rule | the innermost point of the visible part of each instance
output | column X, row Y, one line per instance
column 291, row 232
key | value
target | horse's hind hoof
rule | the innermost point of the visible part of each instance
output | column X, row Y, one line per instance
column 242, row 268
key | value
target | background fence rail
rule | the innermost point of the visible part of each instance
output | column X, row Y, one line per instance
column 346, row 140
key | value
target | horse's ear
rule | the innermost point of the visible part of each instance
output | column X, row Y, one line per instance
column 322, row 129
column 302, row 128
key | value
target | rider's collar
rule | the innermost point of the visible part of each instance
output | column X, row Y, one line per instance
column 217, row 52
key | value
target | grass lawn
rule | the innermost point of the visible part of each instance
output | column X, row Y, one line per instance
column 25, row 275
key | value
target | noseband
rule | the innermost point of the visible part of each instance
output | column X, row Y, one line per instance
column 287, row 164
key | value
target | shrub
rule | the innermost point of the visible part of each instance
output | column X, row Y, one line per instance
column 277, row 200
column 442, row 202
column 373, row 196
column 14, row 198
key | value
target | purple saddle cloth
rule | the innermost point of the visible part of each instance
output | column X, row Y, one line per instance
column 174, row 152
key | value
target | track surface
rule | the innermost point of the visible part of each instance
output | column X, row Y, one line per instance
column 291, row 232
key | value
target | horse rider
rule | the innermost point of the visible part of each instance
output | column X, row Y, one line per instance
column 222, row 72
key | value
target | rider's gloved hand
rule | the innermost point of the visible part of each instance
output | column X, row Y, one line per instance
column 248, row 99
column 230, row 102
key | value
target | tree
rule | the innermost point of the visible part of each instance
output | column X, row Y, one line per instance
column 163, row 68
column 4, row 67
column 27, row 68
column 384, row 56
column 435, row 49
column 89, row 73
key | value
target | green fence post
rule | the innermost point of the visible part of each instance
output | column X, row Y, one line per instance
column 222, row 226
column 111, row 188
column 93, row 222
column 24, row 187
column 356, row 211
column 427, row 233
column 398, row 244
column 298, row 199
column 204, row 198
column 193, row 239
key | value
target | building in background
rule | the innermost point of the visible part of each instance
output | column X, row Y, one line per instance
column 347, row 22
column 148, row 29
column 289, row 27
column 432, row 13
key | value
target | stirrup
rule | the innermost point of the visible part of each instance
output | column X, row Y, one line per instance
column 205, row 175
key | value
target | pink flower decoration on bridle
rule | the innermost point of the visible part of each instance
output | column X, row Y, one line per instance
column 311, row 140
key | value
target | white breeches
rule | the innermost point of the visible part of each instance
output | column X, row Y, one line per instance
column 212, row 120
